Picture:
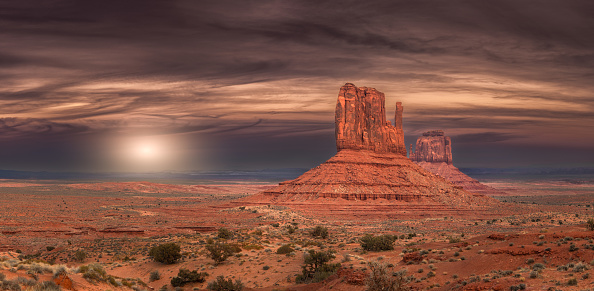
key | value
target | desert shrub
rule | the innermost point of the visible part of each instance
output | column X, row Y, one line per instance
column 248, row 246
column 35, row 269
column 529, row 261
column 534, row 274
column 291, row 229
column 590, row 224
column 185, row 276
column 61, row 270
column 572, row 282
column 518, row 287
column 316, row 267
column 573, row 248
column 453, row 240
column 276, row 224
column 580, row 267
column 10, row 285
column 320, row 231
column 538, row 267
column 377, row 243
column 46, row 286
column 381, row 279
column 285, row 249
column 219, row 252
column 80, row 256
column 225, row 233
column 266, row 268
column 50, row 248
column 93, row 273
column 167, row 253
column 154, row 276
column 24, row 281
column 220, row 284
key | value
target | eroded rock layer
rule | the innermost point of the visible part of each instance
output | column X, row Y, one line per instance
column 366, row 175
column 456, row 177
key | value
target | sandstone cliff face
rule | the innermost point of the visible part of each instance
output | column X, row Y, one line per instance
column 371, row 162
column 360, row 122
column 433, row 147
column 434, row 154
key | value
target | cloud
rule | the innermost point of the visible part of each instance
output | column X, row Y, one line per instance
column 484, row 137
column 484, row 71
column 15, row 127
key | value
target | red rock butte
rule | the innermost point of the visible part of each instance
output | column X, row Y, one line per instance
column 360, row 122
column 434, row 154
column 371, row 162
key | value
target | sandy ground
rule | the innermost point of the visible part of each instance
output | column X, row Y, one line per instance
column 116, row 224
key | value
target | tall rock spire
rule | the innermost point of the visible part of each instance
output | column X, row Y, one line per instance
column 361, row 122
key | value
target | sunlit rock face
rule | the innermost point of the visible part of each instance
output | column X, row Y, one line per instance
column 360, row 122
column 371, row 162
column 434, row 153
column 433, row 147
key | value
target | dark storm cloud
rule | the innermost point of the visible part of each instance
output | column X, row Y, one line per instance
column 271, row 69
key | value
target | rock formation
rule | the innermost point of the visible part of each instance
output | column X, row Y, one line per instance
column 433, row 147
column 371, row 162
column 434, row 154
column 360, row 122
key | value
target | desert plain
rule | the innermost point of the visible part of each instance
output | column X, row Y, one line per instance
column 532, row 241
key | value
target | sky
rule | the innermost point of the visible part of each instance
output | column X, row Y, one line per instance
column 143, row 85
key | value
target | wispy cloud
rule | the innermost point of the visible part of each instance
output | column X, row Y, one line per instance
column 485, row 71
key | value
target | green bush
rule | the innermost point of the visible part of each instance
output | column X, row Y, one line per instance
column 167, row 253
column 80, row 256
column 320, row 231
column 316, row 267
column 219, row 252
column 220, row 284
column 285, row 249
column 185, row 276
column 377, row 243
column 225, row 233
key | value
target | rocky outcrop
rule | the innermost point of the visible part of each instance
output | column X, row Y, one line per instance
column 360, row 122
column 371, row 162
column 433, row 147
column 434, row 154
